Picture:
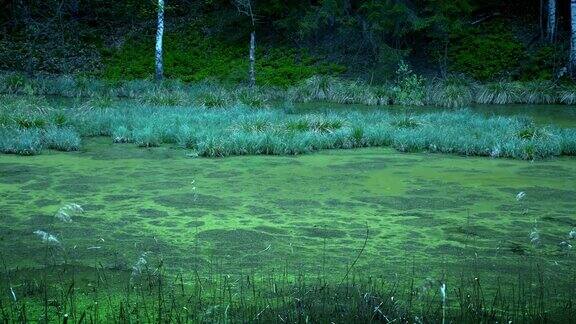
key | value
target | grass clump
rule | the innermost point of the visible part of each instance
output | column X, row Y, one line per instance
column 121, row 134
column 146, row 136
column 452, row 92
column 255, row 98
column 21, row 141
column 499, row 93
column 213, row 97
column 406, row 121
column 568, row 141
column 62, row 139
column 331, row 89
column 567, row 95
column 158, row 97
column 13, row 83
column 538, row 92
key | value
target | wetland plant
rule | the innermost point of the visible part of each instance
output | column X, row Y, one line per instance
column 62, row 139
column 452, row 92
column 66, row 212
column 47, row 237
column 147, row 136
column 21, row 141
column 572, row 234
column 240, row 130
column 499, row 93
column 410, row 89
column 160, row 97
column 538, row 92
column 121, row 134
column 567, row 95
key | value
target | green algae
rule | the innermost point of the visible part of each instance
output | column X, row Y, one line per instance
column 443, row 215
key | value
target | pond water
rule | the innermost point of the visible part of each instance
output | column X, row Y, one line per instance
column 441, row 213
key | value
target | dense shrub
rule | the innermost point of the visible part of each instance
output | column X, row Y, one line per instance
column 487, row 52
column 409, row 89
column 190, row 56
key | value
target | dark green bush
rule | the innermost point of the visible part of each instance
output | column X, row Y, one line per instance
column 193, row 57
column 487, row 52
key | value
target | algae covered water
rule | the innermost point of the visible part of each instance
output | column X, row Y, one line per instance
column 253, row 213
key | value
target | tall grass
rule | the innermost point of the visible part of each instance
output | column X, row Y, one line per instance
column 499, row 93
column 151, row 295
column 453, row 92
column 61, row 139
column 20, row 141
column 409, row 89
column 247, row 131
column 539, row 92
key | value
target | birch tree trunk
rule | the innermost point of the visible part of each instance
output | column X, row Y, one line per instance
column 159, row 35
column 572, row 63
column 245, row 8
column 551, row 29
column 252, row 68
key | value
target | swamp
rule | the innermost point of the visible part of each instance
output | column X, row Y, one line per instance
column 188, row 175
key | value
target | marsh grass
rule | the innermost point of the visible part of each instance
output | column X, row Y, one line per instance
column 247, row 131
column 452, row 92
column 21, row 141
column 408, row 89
column 61, row 139
column 568, row 95
column 499, row 93
column 146, row 292
column 539, row 92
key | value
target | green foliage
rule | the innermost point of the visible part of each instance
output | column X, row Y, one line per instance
column 538, row 92
column 191, row 57
column 487, row 53
column 542, row 63
column 121, row 134
column 208, row 40
column 159, row 97
column 12, row 82
column 146, row 136
column 409, row 89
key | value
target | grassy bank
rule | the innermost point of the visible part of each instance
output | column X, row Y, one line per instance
column 28, row 126
column 407, row 90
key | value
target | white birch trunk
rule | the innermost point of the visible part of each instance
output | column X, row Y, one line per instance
column 252, row 68
column 159, row 35
column 551, row 29
column 572, row 64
